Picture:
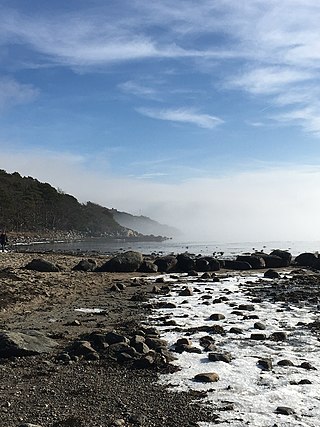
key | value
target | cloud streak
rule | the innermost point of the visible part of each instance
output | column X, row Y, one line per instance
column 14, row 93
column 182, row 115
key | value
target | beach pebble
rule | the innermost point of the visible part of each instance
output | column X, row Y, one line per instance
column 308, row 366
column 220, row 357
column 284, row 410
column 265, row 364
column 207, row 377
column 235, row 330
column 278, row 336
column 259, row 325
column 258, row 337
column 217, row 316
column 271, row 274
column 186, row 292
column 246, row 307
column 285, row 362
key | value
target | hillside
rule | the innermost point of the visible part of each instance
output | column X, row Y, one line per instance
column 143, row 224
column 27, row 205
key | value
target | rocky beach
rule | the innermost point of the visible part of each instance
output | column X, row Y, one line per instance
column 84, row 343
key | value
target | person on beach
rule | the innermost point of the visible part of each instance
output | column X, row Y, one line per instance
column 3, row 240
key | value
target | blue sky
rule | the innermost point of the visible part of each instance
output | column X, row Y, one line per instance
column 198, row 109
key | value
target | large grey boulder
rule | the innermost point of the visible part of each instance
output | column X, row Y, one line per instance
column 40, row 264
column 166, row 263
column 26, row 343
column 123, row 263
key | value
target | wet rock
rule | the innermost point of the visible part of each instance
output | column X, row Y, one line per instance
column 306, row 259
column 278, row 336
column 305, row 381
column 237, row 265
column 27, row 343
column 273, row 261
column 308, row 366
column 220, row 357
column 285, row 362
column 284, row 410
column 185, row 263
column 206, row 341
column 206, row 276
column 202, row 264
column 207, row 377
column 127, row 262
column 183, row 341
column 259, row 325
column 41, row 265
column 271, row 274
column 235, row 330
column 214, row 264
column 148, row 267
column 285, row 255
column 246, row 307
column 258, row 337
column 265, row 364
column 256, row 262
column 141, row 347
column 166, row 264
column 186, row 292
column 217, row 316
column 85, row 265
column 156, row 343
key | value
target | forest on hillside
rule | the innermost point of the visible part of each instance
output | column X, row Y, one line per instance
column 29, row 205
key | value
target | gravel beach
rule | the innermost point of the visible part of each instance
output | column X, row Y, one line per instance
column 46, row 391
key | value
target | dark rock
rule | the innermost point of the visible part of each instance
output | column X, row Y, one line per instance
column 258, row 337
column 265, row 364
column 185, row 263
column 235, row 330
column 306, row 259
column 237, row 265
column 308, row 366
column 127, row 262
column 82, row 348
column 202, row 264
column 85, row 265
column 206, row 275
column 273, row 261
column 166, row 264
column 246, row 307
column 208, row 377
column 214, row 264
column 156, row 343
column 115, row 338
column 141, row 347
column 278, row 336
column 217, row 316
column 259, row 325
column 256, row 262
column 192, row 273
column 284, row 410
column 26, row 343
column 148, row 267
column 305, row 381
column 42, row 265
column 271, row 274
column 186, row 292
column 220, row 357
column 285, row 255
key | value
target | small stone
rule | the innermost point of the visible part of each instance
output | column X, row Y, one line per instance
column 258, row 337
column 308, row 366
column 284, row 410
column 246, row 307
column 265, row 364
column 208, row 377
column 271, row 274
column 220, row 357
column 305, row 381
column 183, row 341
column 217, row 316
column 186, row 292
column 235, row 330
column 278, row 336
column 259, row 325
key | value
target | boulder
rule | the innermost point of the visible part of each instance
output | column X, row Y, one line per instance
column 85, row 265
column 255, row 261
column 26, row 343
column 202, row 264
column 214, row 264
column 39, row 264
column 273, row 261
column 127, row 262
column 220, row 357
column 285, row 255
column 271, row 274
column 185, row 263
column 236, row 265
column 306, row 259
column 148, row 267
column 166, row 263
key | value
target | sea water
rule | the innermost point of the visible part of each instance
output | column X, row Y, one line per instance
column 175, row 246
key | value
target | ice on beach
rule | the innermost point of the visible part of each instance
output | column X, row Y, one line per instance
column 255, row 393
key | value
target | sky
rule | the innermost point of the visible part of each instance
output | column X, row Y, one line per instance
column 202, row 114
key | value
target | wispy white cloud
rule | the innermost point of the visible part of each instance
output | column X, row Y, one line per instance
column 15, row 93
column 138, row 89
column 182, row 115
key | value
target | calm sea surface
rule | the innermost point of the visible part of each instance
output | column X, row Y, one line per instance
column 174, row 246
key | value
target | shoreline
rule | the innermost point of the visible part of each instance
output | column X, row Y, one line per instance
column 53, row 392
